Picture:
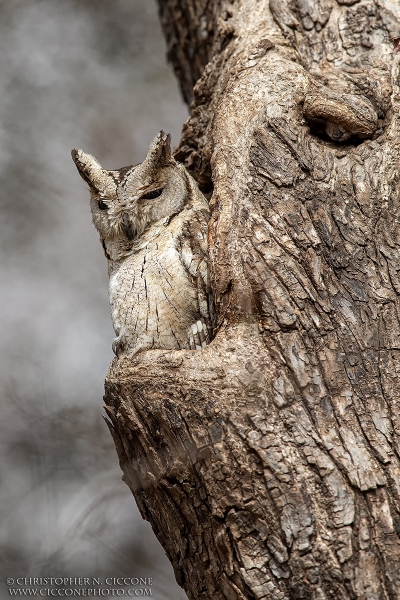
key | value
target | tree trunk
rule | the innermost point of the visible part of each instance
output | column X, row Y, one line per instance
column 269, row 463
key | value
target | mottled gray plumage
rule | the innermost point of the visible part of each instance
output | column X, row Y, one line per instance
column 152, row 220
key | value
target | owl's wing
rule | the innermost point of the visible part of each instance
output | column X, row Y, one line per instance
column 194, row 256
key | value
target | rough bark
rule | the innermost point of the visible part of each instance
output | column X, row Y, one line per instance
column 269, row 463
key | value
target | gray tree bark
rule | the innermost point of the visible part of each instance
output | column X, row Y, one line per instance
column 269, row 463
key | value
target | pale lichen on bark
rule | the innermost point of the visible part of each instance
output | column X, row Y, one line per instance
column 269, row 462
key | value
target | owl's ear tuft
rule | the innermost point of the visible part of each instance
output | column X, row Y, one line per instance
column 159, row 154
column 88, row 166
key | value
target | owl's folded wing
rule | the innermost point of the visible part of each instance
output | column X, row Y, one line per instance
column 194, row 256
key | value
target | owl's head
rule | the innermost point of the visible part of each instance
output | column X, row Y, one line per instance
column 127, row 201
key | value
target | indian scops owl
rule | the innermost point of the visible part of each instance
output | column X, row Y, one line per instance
column 152, row 220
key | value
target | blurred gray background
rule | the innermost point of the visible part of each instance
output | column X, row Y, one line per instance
column 92, row 74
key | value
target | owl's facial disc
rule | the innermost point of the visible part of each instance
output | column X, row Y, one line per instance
column 127, row 201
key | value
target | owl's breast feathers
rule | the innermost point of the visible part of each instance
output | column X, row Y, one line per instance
column 159, row 294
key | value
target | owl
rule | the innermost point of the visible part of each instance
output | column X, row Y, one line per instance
column 152, row 220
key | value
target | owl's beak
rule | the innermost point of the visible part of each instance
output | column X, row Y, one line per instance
column 127, row 227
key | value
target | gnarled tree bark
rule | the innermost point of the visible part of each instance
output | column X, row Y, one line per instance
column 269, row 463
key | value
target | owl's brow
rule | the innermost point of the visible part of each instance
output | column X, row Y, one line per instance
column 120, row 175
column 125, row 172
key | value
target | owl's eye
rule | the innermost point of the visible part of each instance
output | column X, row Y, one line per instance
column 102, row 205
column 152, row 194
